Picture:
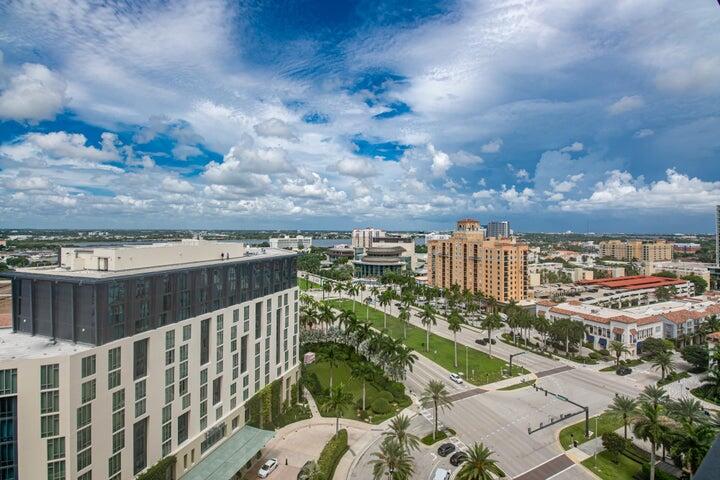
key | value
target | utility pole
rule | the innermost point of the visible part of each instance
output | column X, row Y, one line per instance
column 511, row 359
column 466, row 362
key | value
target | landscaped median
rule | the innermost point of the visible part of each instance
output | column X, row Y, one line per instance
column 305, row 284
column 332, row 453
column 606, row 422
column 482, row 368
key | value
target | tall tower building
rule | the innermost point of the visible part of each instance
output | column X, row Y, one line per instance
column 493, row 266
column 122, row 356
column 498, row 229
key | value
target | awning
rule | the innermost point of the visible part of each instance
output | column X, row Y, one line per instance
column 618, row 330
column 232, row 455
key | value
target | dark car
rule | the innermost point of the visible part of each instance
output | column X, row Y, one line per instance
column 446, row 449
column 481, row 341
column 458, row 458
column 623, row 370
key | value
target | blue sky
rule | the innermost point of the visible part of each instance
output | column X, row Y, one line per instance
column 557, row 115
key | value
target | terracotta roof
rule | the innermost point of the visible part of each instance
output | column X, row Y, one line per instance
column 546, row 303
column 618, row 330
column 715, row 337
column 682, row 316
column 633, row 332
column 635, row 282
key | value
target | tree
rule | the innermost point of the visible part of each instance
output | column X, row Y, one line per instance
column 479, row 465
column 697, row 355
column 712, row 382
column 332, row 354
column 614, row 444
column 652, row 345
column 403, row 359
column 699, row 282
column 686, row 410
column 623, row 407
column 663, row 294
column 491, row 322
column 454, row 321
column 337, row 402
column 427, row 317
column 404, row 317
column 436, row 393
column 692, row 442
column 392, row 461
column 663, row 361
column 365, row 371
column 654, row 395
column 386, row 298
column 399, row 427
column 570, row 332
column 618, row 348
column 650, row 424
column 326, row 288
column 542, row 326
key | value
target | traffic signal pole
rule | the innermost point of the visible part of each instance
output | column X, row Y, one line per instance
column 563, row 417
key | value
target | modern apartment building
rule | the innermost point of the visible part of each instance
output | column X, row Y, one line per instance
column 363, row 237
column 493, row 266
column 498, row 229
column 715, row 270
column 122, row 356
column 286, row 242
column 656, row 251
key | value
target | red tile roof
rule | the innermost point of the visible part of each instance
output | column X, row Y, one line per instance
column 715, row 337
column 636, row 282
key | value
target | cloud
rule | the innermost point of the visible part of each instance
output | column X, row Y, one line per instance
column 492, row 146
column 246, row 159
column 441, row 162
column 645, row 132
column 356, row 167
column 522, row 175
column 274, row 127
column 626, row 104
column 484, row 194
column 566, row 185
column 464, row 159
column 702, row 75
column 183, row 152
column 575, row 147
column 34, row 94
column 28, row 183
column 315, row 187
column 176, row 185
column 518, row 198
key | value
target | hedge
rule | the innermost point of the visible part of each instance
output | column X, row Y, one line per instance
column 332, row 453
column 162, row 470
column 380, row 406
column 659, row 474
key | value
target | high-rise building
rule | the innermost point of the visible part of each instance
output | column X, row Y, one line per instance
column 122, row 356
column 498, row 229
column 715, row 271
column 494, row 266
column 656, row 251
column 363, row 237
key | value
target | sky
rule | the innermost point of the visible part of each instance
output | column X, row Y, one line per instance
column 556, row 115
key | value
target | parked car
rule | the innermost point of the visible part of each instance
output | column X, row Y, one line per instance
column 623, row 371
column 441, row 474
column 456, row 378
column 481, row 341
column 446, row 449
column 268, row 467
column 458, row 458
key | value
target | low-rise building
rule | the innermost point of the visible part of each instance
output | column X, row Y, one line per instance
column 633, row 290
column 379, row 260
column 645, row 251
column 686, row 247
column 341, row 251
column 680, row 269
column 296, row 243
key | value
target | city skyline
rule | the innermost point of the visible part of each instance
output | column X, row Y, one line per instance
column 557, row 116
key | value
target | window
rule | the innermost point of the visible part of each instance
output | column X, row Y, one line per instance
column 56, row 470
column 140, row 352
column 118, row 400
column 88, row 366
column 187, row 332
column 217, row 390
column 84, row 438
column 118, row 441
column 49, row 426
column 139, row 445
column 169, row 339
column 49, row 376
column 114, row 465
column 84, row 459
column 182, row 428
column 118, row 420
column 49, row 401
column 243, row 354
column 114, row 358
column 56, row 448
column 84, row 416
column 113, row 379
column 205, row 341
column 88, row 391
column 85, row 476
column 258, row 320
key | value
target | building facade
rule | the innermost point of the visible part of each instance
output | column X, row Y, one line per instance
column 495, row 267
column 379, row 260
column 123, row 356
column 298, row 242
column 498, row 229
column 363, row 237
column 656, row 251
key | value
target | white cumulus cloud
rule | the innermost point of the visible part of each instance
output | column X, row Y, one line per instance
column 34, row 94
column 626, row 104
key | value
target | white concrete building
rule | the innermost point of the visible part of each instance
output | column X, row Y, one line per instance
column 363, row 237
column 296, row 243
column 681, row 269
column 123, row 356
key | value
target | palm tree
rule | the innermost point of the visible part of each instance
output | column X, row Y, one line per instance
column 687, row 411
column 427, row 317
column 326, row 315
column 711, row 382
column 332, row 354
column 436, row 393
column 479, row 465
column 386, row 298
column 542, row 326
column 392, row 461
column 624, row 407
column 650, row 424
column 339, row 288
column 314, row 472
column 692, row 442
column 363, row 332
column 404, row 317
column 337, row 402
column 454, row 322
column 354, row 289
column 403, row 360
column 399, row 427
column 326, row 287
column 654, row 394
column 367, row 301
column 664, row 361
column 365, row 371
column 491, row 322
column 618, row 348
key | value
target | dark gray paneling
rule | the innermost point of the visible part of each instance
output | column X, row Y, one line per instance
column 43, row 308
column 63, row 310
column 85, row 313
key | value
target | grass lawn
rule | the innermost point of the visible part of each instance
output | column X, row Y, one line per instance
column 518, row 385
column 605, row 468
column 441, row 435
column 606, row 423
column 342, row 374
column 674, row 377
column 305, row 284
column 482, row 367
column 702, row 393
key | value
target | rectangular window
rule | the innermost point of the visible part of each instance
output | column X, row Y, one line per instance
column 139, row 446
column 84, row 459
column 118, row 420
column 56, row 470
column 205, row 341
column 182, row 428
column 140, row 354
column 84, row 416
column 258, row 320
column 49, row 426
column 49, row 376
column 114, row 358
column 87, row 391
column 8, row 381
column 84, row 438
column 118, row 441
column 56, row 448
column 88, row 366
column 114, row 465
column 118, row 400
column 85, row 476
column 217, row 390
column 169, row 339
column 187, row 332
column 49, row 401
column 243, row 353
column 113, row 379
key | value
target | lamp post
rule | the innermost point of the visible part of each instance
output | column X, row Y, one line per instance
column 466, row 361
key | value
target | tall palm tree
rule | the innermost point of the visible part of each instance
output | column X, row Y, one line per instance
column 692, row 442
column 326, row 288
column 542, row 326
column 479, row 465
column 354, row 290
column 386, row 298
column 454, row 321
column 337, row 402
column 332, row 354
column 436, row 393
column 399, row 427
column 403, row 359
column 326, row 315
column 711, row 382
column 664, row 362
column 427, row 317
column 491, row 322
column 392, row 461
column 650, row 424
column 365, row 371
column 362, row 332
column 404, row 317
column 367, row 301
column 687, row 410
column 618, row 348
column 624, row 407
column 654, row 395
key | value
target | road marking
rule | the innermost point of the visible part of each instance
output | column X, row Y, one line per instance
column 547, row 469
column 561, row 471
column 553, row 371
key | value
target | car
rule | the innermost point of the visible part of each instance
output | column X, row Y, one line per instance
column 456, row 378
column 268, row 467
column 441, row 474
column 481, row 341
column 458, row 458
column 623, row 371
column 446, row 449
column 492, row 340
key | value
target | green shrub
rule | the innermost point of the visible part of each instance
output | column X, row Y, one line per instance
column 380, row 406
column 605, row 352
column 359, row 402
column 398, row 391
column 312, row 383
column 332, row 453
column 659, row 474
column 162, row 470
column 614, row 444
column 594, row 355
column 386, row 395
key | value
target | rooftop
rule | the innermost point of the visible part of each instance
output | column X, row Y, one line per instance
column 21, row 345
column 636, row 282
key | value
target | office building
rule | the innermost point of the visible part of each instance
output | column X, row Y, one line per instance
column 291, row 243
column 122, row 356
column 379, row 260
column 680, row 269
column 363, row 237
column 498, row 229
column 494, row 266
column 406, row 242
column 656, row 251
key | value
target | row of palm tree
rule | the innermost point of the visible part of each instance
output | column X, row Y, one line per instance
column 680, row 426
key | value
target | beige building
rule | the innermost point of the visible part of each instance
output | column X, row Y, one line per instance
column 656, row 251
column 495, row 267
column 681, row 269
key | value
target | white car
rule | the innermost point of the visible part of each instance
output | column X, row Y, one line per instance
column 441, row 474
column 456, row 378
column 268, row 467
